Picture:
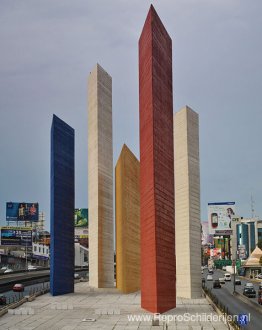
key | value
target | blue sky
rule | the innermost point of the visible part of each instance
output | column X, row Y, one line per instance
column 49, row 47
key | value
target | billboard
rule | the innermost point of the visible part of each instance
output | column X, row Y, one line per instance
column 219, row 218
column 242, row 253
column 206, row 237
column 216, row 253
column 16, row 236
column 81, row 217
column 22, row 211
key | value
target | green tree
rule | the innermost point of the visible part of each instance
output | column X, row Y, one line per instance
column 259, row 244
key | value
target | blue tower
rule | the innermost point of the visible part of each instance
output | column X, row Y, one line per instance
column 62, row 207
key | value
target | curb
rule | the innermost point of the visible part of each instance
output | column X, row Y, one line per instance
column 4, row 310
column 12, row 306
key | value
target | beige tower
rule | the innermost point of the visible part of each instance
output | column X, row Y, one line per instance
column 187, row 203
column 127, row 222
column 100, row 179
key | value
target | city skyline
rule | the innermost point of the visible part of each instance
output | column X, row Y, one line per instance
column 48, row 51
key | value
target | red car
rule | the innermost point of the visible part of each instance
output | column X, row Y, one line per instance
column 2, row 299
column 18, row 288
column 259, row 298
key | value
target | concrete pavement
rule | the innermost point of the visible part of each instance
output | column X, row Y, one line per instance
column 102, row 309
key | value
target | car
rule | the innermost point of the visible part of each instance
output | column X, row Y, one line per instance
column 237, row 282
column 30, row 268
column 202, row 272
column 249, row 292
column 8, row 270
column 249, row 286
column 224, row 268
column 18, row 287
column 221, row 280
column 259, row 298
column 2, row 299
column 76, row 275
column 227, row 277
column 4, row 268
column 210, row 271
column 209, row 277
column 216, row 284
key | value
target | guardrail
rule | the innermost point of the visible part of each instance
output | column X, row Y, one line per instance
column 17, row 300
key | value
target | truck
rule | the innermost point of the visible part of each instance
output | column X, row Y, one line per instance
column 230, row 269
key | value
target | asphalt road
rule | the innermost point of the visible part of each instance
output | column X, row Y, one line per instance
column 235, row 305
column 20, row 276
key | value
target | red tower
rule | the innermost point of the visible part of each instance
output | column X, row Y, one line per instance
column 158, row 263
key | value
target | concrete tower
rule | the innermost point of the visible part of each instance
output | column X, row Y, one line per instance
column 187, row 203
column 100, row 179
column 127, row 222
column 62, row 262
column 158, row 265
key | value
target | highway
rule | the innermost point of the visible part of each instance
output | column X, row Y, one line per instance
column 235, row 305
column 29, row 278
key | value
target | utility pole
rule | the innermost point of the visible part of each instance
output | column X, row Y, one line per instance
column 234, row 266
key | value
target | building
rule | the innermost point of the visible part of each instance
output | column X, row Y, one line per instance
column 187, row 204
column 62, row 207
column 100, row 179
column 158, row 266
column 81, row 255
column 246, row 234
column 127, row 190
column 41, row 252
column 81, row 236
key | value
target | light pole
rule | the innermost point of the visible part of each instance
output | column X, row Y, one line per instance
column 234, row 265
column 26, row 253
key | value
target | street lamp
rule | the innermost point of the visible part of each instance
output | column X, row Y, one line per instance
column 233, row 264
column 26, row 254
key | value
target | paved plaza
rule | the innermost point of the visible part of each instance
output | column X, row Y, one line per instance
column 101, row 309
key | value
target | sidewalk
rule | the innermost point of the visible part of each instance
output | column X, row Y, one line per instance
column 100, row 309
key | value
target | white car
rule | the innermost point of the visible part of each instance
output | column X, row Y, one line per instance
column 249, row 286
column 209, row 277
column 227, row 277
column 224, row 268
column 9, row 270
column 221, row 280
column 30, row 268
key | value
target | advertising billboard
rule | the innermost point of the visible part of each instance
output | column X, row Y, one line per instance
column 206, row 237
column 216, row 253
column 22, row 211
column 81, row 217
column 16, row 236
column 242, row 253
column 219, row 218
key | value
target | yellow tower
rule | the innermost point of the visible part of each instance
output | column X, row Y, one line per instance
column 127, row 178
